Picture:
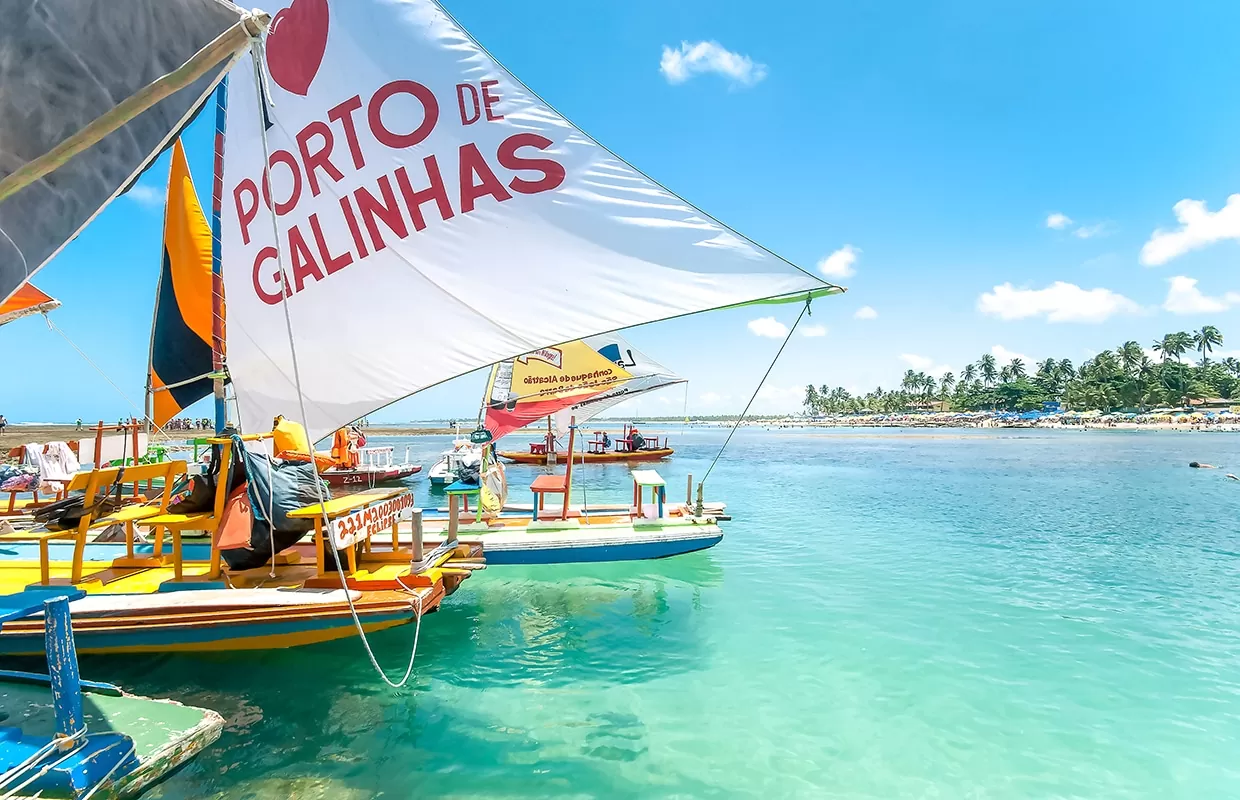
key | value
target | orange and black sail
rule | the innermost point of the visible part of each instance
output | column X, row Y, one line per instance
column 180, row 373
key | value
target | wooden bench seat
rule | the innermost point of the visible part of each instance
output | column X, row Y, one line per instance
column 95, row 485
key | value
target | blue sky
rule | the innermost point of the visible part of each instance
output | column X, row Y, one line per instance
column 989, row 177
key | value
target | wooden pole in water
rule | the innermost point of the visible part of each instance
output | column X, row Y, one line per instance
column 416, row 527
column 551, row 445
column 689, row 491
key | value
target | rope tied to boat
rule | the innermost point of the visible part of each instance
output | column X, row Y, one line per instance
column 260, row 79
column 804, row 312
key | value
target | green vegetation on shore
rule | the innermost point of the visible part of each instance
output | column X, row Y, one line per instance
column 1123, row 378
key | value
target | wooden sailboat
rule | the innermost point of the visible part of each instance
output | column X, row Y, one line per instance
column 581, row 381
column 433, row 191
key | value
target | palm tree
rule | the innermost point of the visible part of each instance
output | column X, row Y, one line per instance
column 1232, row 365
column 1017, row 368
column 1206, row 340
column 1130, row 355
column 1005, row 374
column 1174, row 345
column 969, row 374
column 986, row 367
column 946, row 384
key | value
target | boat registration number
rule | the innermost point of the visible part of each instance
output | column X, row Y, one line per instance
column 365, row 522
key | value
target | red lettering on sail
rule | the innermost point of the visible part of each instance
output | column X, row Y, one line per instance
column 398, row 141
column 265, row 255
column 245, row 215
column 286, row 158
column 343, row 113
column 319, row 159
column 473, row 164
column 436, row 191
column 552, row 171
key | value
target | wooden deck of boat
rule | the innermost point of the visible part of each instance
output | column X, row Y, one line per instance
column 165, row 733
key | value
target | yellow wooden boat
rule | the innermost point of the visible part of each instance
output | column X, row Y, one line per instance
column 159, row 602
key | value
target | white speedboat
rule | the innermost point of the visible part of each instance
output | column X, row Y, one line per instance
column 461, row 454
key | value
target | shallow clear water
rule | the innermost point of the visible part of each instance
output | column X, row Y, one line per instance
column 891, row 614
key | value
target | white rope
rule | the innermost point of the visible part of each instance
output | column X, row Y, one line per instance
column 86, row 358
column 258, row 59
column 100, row 783
column 758, row 388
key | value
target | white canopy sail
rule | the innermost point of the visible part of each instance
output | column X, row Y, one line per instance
column 648, row 375
column 435, row 216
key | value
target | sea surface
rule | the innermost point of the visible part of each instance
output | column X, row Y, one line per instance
column 950, row 614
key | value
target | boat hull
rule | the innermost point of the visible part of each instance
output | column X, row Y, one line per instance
column 370, row 477
column 590, row 458
column 583, row 550
column 253, row 627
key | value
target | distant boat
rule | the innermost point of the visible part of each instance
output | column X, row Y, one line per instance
column 578, row 380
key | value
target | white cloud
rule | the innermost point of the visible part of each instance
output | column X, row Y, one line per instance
column 1059, row 302
column 150, row 196
column 814, row 331
column 865, row 312
column 769, row 327
column 697, row 58
column 1090, row 231
column 1199, row 227
column 924, row 364
column 711, row 398
column 1058, row 221
column 840, row 263
column 1004, row 356
column 1185, row 298
column 779, row 393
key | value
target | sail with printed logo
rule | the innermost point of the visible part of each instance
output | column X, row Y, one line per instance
column 180, row 360
column 93, row 91
column 647, row 375
column 414, row 181
column 27, row 300
column 538, row 384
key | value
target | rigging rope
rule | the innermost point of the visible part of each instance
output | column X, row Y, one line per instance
column 754, row 396
column 259, row 59
column 86, row 358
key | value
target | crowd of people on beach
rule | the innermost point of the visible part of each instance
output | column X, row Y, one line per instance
column 190, row 424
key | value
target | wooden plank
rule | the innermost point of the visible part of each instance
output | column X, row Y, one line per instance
column 340, row 506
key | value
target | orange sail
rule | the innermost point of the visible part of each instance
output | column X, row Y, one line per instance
column 27, row 300
column 181, row 337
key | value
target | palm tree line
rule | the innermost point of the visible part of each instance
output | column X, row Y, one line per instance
column 1124, row 378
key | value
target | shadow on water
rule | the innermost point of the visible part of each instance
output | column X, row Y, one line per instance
column 564, row 625
column 316, row 722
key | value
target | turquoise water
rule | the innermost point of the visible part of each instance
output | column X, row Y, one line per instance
column 892, row 614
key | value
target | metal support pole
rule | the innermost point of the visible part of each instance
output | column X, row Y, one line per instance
column 689, row 491
column 62, row 667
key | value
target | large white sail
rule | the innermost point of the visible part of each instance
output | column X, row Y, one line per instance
column 648, row 375
column 435, row 216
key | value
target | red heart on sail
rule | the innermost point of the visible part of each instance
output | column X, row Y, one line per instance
column 296, row 41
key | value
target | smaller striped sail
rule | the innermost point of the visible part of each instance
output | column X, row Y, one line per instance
column 180, row 363
column 28, row 299
column 647, row 375
column 540, row 383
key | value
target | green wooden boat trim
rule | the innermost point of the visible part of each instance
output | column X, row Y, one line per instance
column 166, row 734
